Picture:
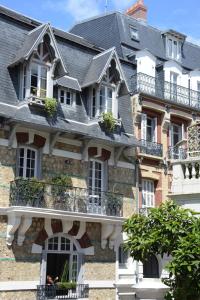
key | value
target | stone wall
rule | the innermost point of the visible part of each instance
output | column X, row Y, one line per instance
column 7, row 173
column 18, row 295
column 102, row 294
column 101, row 265
column 17, row 263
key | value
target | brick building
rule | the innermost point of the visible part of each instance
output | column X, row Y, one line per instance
column 162, row 69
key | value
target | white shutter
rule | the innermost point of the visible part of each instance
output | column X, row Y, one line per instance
column 170, row 134
column 155, row 131
column 143, row 126
column 182, row 131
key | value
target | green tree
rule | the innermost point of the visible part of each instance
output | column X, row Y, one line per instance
column 175, row 231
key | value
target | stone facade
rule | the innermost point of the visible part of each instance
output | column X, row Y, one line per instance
column 18, row 295
column 100, row 294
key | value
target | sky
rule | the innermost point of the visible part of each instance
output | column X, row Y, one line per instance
column 181, row 15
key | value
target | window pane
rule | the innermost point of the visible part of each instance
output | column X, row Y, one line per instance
column 68, row 98
column 170, row 47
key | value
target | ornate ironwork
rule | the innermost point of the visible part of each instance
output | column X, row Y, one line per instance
column 177, row 153
column 151, row 148
column 194, row 140
column 45, row 292
column 166, row 90
column 27, row 192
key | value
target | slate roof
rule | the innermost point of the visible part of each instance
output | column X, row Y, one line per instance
column 113, row 29
column 96, row 68
column 68, row 82
column 17, row 34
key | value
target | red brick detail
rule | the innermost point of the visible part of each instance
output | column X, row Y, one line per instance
column 22, row 137
column 42, row 236
column 105, row 155
column 138, row 10
column 56, row 226
column 85, row 242
column 39, row 141
column 92, row 151
column 75, row 229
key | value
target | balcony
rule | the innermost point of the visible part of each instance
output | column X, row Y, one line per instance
column 45, row 292
column 177, row 152
column 151, row 148
column 32, row 193
column 165, row 90
column 186, row 176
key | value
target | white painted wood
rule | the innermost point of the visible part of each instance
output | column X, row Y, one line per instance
column 106, row 231
column 24, row 226
column 37, row 249
column 47, row 227
column 13, row 224
column 18, row 285
column 67, row 225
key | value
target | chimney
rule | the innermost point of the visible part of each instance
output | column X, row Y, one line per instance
column 138, row 11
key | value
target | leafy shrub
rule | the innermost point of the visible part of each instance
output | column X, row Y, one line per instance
column 50, row 106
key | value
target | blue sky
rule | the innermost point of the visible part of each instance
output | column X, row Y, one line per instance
column 182, row 15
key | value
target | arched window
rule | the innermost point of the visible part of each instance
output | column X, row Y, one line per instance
column 62, row 258
column 151, row 268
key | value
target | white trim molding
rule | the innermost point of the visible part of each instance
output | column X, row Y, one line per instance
column 18, row 285
column 13, row 224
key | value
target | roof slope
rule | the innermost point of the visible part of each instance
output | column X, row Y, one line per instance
column 114, row 30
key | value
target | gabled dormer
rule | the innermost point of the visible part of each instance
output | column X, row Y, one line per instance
column 40, row 63
column 104, row 79
column 174, row 44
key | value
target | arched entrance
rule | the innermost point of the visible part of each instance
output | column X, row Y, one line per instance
column 61, row 258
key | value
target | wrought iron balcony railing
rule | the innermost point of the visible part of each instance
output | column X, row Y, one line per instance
column 177, row 152
column 45, row 292
column 27, row 192
column 151, row 148
column 165, row 90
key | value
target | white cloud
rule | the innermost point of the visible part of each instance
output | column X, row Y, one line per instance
column 78, row 9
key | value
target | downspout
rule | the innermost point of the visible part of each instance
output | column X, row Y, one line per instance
column 137, row 206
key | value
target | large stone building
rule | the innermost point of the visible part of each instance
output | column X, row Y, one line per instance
column 87, row 177
column 67, row 174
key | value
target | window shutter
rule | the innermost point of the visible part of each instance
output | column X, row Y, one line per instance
column 155, row 130
column 143, row 126
column 170, row 135
column 182, row 131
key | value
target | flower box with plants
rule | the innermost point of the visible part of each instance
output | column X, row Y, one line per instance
column 65, row 287
column 49, row 104
column 109, row 122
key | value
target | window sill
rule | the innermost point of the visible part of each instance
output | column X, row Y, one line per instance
column 34, row 100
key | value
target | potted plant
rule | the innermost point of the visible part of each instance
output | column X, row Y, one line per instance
column 60, row 186
column 109, row 122
column 64, row 286
column 50, row 105
column 28, row 191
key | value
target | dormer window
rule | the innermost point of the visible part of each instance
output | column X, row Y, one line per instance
column 133, row 33
column 173, row 48
column 37, row 75
column 103, row 98
column 65, row 96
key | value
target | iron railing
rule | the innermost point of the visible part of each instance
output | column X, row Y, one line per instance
column 177, row 152
column 151, row 148
column 165, row 90
column 45, row 292
column 27, row 192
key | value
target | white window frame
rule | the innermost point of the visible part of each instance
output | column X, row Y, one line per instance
column 96, row 96
column 144, row 118
column 25, row 161
column 180, row 132
column 66, row 90
column 134, row 33
column 173, row 45
column 26, row 76
column 96, row 197
column 71, row 253
column 148, row 193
